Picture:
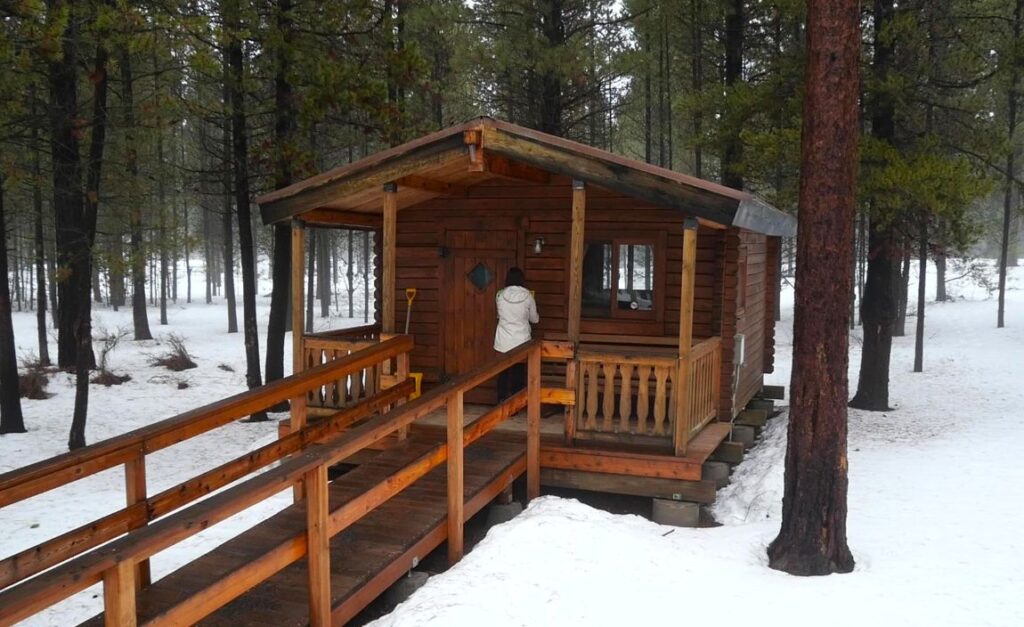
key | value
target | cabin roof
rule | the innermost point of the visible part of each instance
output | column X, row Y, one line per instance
column 449, row 161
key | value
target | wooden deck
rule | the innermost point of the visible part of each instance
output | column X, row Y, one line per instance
column 366, row 558
column 610, row 467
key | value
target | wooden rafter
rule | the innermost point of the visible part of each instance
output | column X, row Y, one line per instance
column 340, row 217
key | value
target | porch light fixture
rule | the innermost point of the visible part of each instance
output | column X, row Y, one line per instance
column 538, row 245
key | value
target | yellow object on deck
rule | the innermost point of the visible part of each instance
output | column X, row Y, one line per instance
column 418, row 378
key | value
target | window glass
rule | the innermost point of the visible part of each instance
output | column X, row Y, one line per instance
column 636, row 277
column 597, row 279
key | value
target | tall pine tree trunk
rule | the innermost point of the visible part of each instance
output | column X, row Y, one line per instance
column 922, row 275
column 140, row 319
column 879, row 308
column 40, row 242
column 66, row 166
column 227, row 217
column 284, row 136
column 84, row 359
column 940, row 277
column 812, row 540
column 240, row 154
column 735, row 24
column 1011, row 120
column 11, row 419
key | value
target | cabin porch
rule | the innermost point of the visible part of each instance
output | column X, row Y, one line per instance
column 614, row 418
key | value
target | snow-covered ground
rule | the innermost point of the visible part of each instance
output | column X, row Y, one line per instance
column 935, row 497
column 935, row 509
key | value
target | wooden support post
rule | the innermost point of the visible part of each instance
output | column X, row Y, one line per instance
column 299, row 415
column 579, row 210
column 388, row 267
column 298, row 269
column 298, row 404
column 119, row 595
column 684, row 394
column 318, row 549
column 456, row 497
column 402, row 367
column 135, row 492
column 533, row 424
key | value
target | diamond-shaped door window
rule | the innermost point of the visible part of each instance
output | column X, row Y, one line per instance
column 480, row 276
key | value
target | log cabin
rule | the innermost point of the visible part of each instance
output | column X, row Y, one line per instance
column 655, row 293
column 657, row 287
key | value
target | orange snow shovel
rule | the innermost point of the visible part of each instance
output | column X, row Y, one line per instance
column 410, row 295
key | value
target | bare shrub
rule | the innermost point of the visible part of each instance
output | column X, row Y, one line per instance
column 33, row 381
column 177, row 358
column 225, row 367
column 32, row 384
column 108, row 342
column 107, row 378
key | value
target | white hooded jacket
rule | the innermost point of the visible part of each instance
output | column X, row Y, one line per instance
column 516, row 310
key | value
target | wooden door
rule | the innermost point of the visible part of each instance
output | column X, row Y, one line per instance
column 476, row 263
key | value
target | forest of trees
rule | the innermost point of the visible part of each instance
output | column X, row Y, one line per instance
column 134, row 136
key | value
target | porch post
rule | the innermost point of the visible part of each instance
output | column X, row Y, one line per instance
column 298, row 267
column 579, row 210
column 388, row 249
column 298, row 404
column 683, row 391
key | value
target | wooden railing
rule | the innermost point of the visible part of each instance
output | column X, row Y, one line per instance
column 353, row 387
column 703, row 391
column 626, row 392
column 115, row 564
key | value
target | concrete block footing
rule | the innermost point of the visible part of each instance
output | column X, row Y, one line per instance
column 744, row 435
column 676, row 513
column 717, row 472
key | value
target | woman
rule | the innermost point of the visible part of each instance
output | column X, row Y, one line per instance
column 516, row 311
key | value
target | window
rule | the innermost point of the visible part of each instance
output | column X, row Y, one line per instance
column 619, row 278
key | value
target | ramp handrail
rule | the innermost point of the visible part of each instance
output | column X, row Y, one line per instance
column 115, row 563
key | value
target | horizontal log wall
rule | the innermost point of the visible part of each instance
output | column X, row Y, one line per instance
column 545, row 211
column 751, row 319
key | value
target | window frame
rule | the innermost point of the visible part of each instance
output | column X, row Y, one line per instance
column 655, row 239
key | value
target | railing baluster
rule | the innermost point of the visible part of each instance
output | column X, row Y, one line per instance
column 661, row 377
column 608, row 404
column 591, row 368
column 625, row 397
column 642, row 394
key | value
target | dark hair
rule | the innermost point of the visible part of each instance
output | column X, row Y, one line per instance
column 515, row 276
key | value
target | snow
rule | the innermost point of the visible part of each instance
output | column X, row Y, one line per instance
column 934, row 495
column 934, row 511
